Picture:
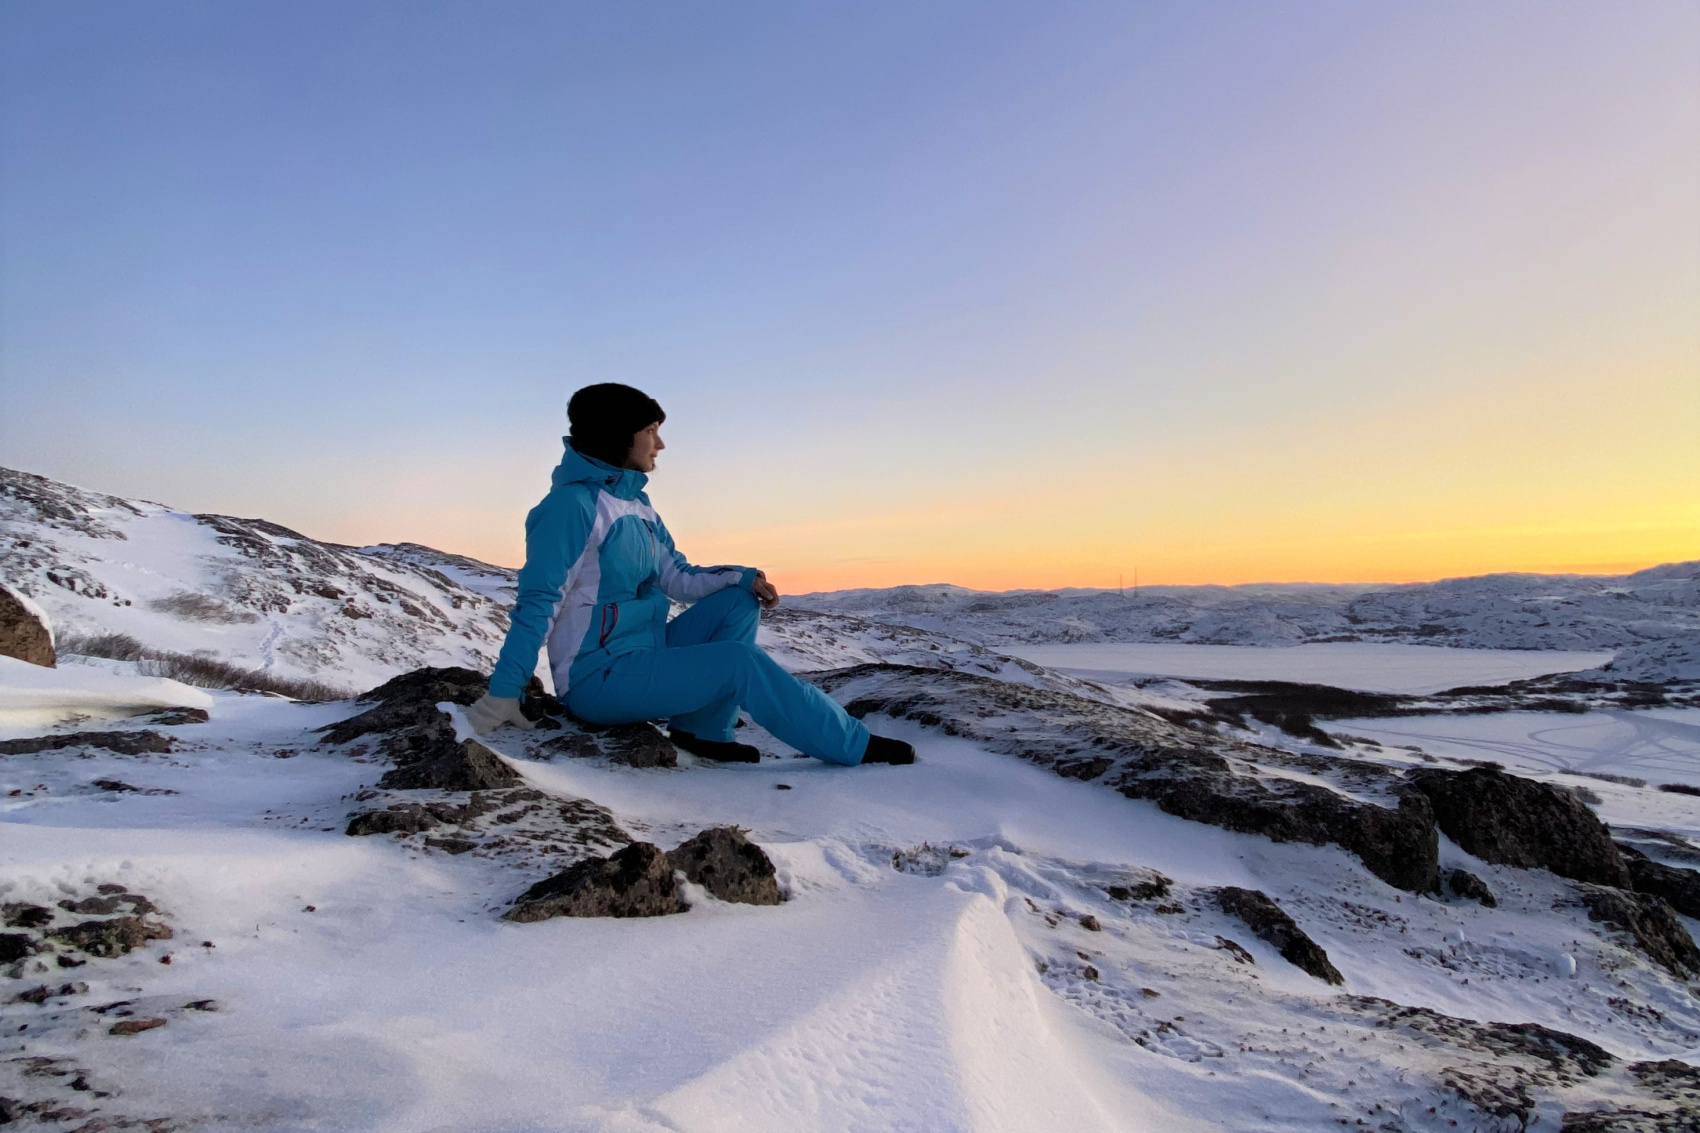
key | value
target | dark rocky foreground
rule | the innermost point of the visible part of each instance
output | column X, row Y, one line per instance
column 1198, row 774
column 640, row 881
column 420, row 739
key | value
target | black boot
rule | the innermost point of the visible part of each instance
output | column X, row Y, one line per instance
column 719, row 750
column 882, row 750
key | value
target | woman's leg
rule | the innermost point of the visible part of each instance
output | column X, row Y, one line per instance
column 725, row 615
column 690, row 680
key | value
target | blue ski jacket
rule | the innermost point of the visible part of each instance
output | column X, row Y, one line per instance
column 600, row 571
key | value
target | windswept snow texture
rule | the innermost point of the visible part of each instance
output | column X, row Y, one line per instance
column 1498, row 611
column 971, row 943
column 246, row 591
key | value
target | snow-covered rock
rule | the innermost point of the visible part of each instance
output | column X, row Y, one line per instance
column 25, row 631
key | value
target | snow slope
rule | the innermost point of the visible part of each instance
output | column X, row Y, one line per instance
column 246, row 591
column 951, row 958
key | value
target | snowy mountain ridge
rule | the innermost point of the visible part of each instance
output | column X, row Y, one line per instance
column 1496, row 611
column 246, row 591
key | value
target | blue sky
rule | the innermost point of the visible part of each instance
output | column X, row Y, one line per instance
column 1006, row 294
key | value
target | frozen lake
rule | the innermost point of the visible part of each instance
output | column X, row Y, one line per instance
column 1660, row 745
column 1358, row 665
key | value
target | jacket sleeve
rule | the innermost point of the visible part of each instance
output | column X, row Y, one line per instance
column 683, row 582
column 555, row 535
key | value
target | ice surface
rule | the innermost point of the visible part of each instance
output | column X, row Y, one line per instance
column 1660, row 745
column 1368, row 666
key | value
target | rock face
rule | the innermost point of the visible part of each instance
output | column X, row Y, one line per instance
column 635, row 882
column 429, row 756
column 1650, row 921
column 1509, row 820
column 121, row 743
column 638, row 881
column 728, row 865
column 1272, row 924
column 632, row 745
column 1680, row 887
column 24, row 632
column 421, row 739
column 1191, row 774
column 1463, row 883
column 112, row 937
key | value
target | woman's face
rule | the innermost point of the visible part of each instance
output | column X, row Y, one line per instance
column 646, row 443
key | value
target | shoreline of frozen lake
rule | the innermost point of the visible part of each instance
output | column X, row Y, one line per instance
column 1365, row 666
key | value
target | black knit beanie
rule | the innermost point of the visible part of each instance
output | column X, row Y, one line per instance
column 604, row 417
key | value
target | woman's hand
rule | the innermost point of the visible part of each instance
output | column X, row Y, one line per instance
column 765, row 591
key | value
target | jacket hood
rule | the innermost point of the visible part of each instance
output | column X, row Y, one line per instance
column 575, row 467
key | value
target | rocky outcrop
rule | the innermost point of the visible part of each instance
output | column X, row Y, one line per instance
column 1272, row 925
column 1678, row 886
column 728, row 865
column 1189, row 773
column 113, row 937
column 1509, row 820
column 408, row 700
column 421, row 739
column 428, row 756
column 637, row 881
column 120, row 743
column 1463, row 883
column 631, row 745
column 1656, row 929
column 24, row 632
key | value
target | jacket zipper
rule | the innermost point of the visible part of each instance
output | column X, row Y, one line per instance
column 608, row 626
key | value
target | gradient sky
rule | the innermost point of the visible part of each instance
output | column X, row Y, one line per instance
column 998, row 294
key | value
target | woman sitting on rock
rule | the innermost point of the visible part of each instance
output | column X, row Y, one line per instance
column 600, row 570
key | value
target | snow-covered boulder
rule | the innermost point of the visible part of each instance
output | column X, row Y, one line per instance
column 25, row 632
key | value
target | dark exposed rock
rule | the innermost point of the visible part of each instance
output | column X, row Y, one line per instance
column 122, row 743
column 461, row 686
column 15, row 946
column 1463, row 883
column 1192, row 774
column 101, row 906
column 428, row 756
column 1679, row 886
column 1656, row 929
column 1509, row 820
column 1272, row 925
column 21, row 914
column 22, row 633
column 112, row 937
column 402, row 818
column 174, row 717
column 728, row 865
column 635, row 882
column 634, row 745
column 134, row 1026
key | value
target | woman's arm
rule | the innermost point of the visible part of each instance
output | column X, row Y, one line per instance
column 683, row 582
column 555, row 534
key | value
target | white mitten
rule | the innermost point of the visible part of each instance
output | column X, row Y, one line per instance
column 491, row 712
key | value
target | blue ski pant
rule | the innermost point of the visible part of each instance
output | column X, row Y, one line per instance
column 710, row 668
